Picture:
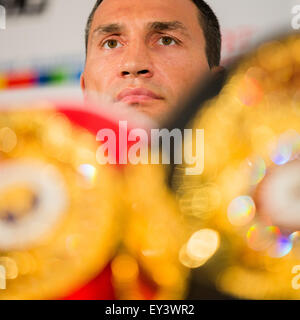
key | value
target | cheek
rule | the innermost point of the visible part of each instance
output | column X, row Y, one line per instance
column 180, row 71
column 98, row 73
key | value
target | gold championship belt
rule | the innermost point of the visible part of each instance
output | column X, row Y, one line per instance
column 246, row 203
column 64, row 217
column 153, row 233
column 58, row 207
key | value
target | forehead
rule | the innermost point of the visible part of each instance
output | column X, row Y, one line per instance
column 129, row 12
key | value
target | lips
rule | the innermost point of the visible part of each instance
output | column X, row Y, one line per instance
column 136, row 95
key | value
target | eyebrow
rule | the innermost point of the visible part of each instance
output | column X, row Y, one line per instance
column 167, row 26
column 151, row 26
column 108, row 28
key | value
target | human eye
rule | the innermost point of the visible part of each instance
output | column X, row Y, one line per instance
column 111, row 44
column 167, row 41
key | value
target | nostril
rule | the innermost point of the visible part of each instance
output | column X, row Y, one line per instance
column 143, row 71
column 140, row 72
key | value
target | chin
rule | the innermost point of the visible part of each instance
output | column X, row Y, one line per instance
column 151, row 108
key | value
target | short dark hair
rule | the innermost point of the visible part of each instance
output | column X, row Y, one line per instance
column 208, row 21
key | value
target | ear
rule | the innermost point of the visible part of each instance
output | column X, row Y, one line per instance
column 82, row 85
column 82, row 82
column 217, row 69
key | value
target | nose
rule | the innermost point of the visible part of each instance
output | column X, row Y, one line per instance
column 136, row 62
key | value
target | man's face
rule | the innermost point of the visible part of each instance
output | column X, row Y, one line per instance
column 145, row 53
